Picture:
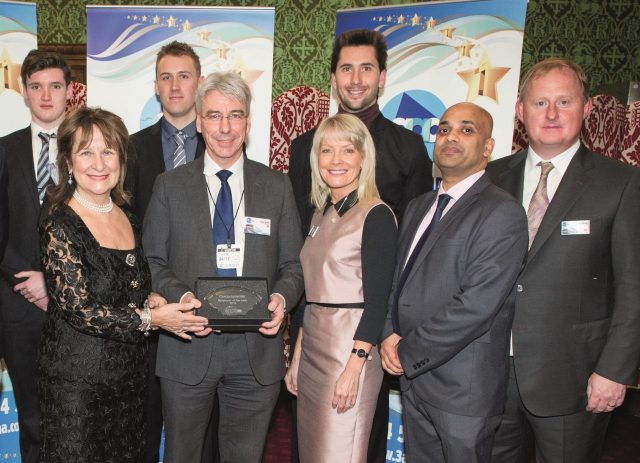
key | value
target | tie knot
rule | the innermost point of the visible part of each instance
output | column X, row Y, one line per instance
column 224, row 175
column 180, row 136
column 443, row 200
column 45, row 137
column 545, row 167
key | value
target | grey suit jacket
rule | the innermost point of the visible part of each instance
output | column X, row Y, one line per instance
column 578, row 298
column 454, row 310
column 178, row 244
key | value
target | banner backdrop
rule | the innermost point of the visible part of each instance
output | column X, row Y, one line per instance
column 9, row 430
column 122, row 43
column 18, row 36
column 443, row 53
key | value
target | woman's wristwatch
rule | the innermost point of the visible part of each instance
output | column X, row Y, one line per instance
column 363, row 354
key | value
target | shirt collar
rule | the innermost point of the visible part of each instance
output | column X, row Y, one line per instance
column 560, row 161
column 212, row 168
column 460, row 188
column 36, row 129
column 343, row 205
column 169, row 130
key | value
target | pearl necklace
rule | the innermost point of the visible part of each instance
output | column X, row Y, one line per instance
column 102, row 208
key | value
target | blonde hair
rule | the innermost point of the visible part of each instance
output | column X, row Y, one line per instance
column 546, row 66
column 344, row 127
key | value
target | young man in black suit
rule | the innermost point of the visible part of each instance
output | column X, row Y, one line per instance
column 170, row 142
column 403, row 167
column 30, row 155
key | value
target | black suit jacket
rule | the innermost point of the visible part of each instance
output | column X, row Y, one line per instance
column 145, row 163
column 403, row 168
column 454, row 309
column 23, row 246
column 578, row 297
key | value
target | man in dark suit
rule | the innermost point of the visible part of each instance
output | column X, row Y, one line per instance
column 30, row 155
column 230, row 191
column 575, row 331
column 460, row 251
column 158, row 148
column 403, row 167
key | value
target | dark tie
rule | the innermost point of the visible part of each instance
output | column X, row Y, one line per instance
column 42, row 176
column 180, row 155
column 539, row 201
column 443, row 200
column 223, row 232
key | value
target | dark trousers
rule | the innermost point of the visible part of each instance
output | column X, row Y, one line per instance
column 435, row 436
column 21, row 340
column 153, row 405
column 575, row 438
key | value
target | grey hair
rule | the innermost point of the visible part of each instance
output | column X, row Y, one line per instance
column 230, row 84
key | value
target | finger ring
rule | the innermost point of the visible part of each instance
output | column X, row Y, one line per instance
column 612, row 405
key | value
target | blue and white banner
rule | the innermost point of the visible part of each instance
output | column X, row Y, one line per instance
column 442, row 53
column 18, row 36
column 9, row 430
column 122, row 43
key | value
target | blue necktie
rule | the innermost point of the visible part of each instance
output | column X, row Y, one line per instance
column 223, row 232
column 43, row 178
column 443, row 200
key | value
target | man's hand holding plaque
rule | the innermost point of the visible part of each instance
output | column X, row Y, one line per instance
column 239, row 304
column 276, row 307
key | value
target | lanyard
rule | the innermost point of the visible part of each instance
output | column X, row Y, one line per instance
column 216, row 211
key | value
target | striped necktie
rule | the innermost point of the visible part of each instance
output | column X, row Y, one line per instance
column 42, row 175
column 180, row 155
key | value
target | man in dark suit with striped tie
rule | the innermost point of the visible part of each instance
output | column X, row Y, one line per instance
column 30, row 159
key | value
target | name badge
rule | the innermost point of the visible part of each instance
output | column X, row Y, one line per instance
column 575, row 227
column 228, row 257
column 257, row 226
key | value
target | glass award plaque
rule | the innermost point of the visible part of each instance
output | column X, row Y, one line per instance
column 233, row 303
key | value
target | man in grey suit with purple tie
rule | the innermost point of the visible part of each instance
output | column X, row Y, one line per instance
column 460, row 251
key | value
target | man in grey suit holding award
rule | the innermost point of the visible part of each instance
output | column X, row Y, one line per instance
column 196, row 227
column 460, row 251
column 576, row 331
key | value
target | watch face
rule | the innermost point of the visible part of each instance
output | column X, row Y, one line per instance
column 361, row 353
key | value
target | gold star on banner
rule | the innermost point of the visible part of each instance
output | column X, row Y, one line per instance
column 171, row 22
column 380, row 19
column 400, row 19
column 483, row 80
column 389, row 19
column 415, row 20
column 156, row 20
column 464, row 50
column 447, row 32
column 144, row 18
column 431, row 23
column 204, row 35
column 186, row 26
column 221, row 51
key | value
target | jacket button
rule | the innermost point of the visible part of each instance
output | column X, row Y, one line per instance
column 519, row 288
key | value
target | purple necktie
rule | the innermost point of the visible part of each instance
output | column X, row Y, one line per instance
column 539, row 201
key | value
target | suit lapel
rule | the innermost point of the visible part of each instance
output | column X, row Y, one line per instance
column 254, row 196
column 198, row 198
column 449, row 219
column 512, row 180
column 413, row 223
column 25, row 163
column 573, row 183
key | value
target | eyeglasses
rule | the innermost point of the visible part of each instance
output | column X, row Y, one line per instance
column 233, row 117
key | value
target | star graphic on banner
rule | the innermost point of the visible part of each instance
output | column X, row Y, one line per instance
column 222, row 51
column 171, row 22
column 144, row 18
column 483, row 80
column 415, row 20
column 156, row 20
column 464, row 50
column 431, row 23
column 447, row 32
column 204, row 35
column 135, row 17
column 186, row 26
column 389, row 19
column 400, row 19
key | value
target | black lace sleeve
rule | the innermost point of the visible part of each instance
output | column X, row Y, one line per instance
column 68, row 279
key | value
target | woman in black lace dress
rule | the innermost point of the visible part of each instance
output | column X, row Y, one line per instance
column 92, row 358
